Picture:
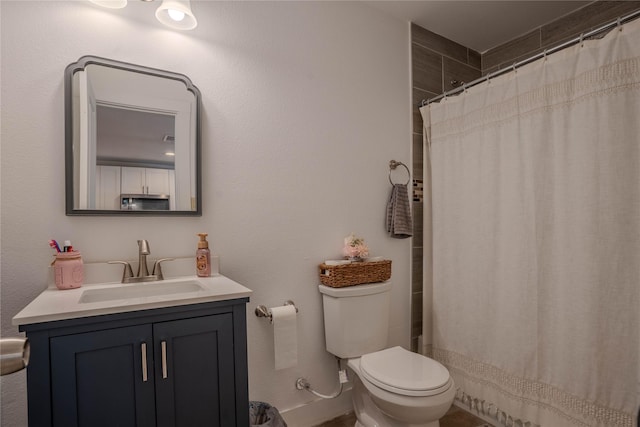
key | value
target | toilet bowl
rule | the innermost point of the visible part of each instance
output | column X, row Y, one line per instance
column 397, row 388
column 392, row 387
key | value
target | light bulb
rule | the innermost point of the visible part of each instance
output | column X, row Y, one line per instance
column 176, row 15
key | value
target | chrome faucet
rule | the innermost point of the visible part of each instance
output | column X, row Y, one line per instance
column 143, row 251
column 143, row 271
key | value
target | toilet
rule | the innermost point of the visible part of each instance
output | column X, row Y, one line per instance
column 392, row 387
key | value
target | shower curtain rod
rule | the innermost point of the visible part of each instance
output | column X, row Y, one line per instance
column 546, row 52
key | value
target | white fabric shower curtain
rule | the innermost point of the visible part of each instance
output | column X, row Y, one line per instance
column 535, row 224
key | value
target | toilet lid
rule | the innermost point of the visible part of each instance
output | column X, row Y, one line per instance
column 403, row 372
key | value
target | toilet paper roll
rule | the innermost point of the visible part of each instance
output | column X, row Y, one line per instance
column 285, row 336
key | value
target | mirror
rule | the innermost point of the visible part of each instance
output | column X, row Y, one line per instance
column 132, row 140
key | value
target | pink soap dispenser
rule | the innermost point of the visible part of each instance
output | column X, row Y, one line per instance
column 203, row 257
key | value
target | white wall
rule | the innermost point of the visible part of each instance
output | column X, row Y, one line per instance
column 304, row 104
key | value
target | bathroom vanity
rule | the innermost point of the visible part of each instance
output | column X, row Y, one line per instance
column 170, row 353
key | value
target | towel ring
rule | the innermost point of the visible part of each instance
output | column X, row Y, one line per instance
column 392, row 165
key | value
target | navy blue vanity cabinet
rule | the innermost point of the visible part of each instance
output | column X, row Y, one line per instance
column 97, row 378
column 175, row 366
column 193, row 365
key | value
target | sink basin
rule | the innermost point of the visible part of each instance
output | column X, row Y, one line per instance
column 121, row 292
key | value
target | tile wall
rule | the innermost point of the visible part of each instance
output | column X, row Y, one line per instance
column 438, row 61
column 559, row 31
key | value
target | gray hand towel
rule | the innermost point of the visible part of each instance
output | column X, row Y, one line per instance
column 399, row 220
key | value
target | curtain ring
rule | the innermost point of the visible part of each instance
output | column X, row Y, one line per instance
column 545, row 54
column 581, row 39
column 619, row 23
column 392, row 165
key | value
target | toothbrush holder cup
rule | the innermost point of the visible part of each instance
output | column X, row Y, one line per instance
column 68, row 270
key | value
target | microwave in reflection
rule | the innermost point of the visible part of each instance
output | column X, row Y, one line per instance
column 144, row 202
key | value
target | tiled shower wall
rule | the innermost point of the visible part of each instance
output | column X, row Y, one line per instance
column 559, row 31
column 437, row 62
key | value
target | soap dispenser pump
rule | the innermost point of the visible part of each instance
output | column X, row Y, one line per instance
column 203, row 257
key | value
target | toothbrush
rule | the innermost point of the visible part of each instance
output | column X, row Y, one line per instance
column 54, row 245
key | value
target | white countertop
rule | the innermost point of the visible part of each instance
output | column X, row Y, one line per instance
column 54, row 304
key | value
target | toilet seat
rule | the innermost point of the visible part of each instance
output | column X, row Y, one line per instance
column 406, row 373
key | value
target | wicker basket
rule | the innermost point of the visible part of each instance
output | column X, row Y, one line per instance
column 356, row 273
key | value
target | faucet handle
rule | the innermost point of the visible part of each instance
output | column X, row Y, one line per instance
column 157, row 269
column 127, row 273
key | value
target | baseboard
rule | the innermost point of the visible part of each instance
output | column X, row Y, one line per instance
column 318, row 411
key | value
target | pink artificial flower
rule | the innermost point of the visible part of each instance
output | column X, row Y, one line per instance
column 350, row 251
column 363, row 250
column 354, row 247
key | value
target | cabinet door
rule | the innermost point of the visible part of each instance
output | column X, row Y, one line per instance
column 172, row 190
column 103, row 378
column 107, row 188
column 195, row 381
column 133, row 181
column 157, row 181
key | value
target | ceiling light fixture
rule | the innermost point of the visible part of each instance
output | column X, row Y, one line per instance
column 174, row 14
column 111, row 4
column 177, row 14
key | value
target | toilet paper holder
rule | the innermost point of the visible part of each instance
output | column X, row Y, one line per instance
column 262, row 311
column 14, row 355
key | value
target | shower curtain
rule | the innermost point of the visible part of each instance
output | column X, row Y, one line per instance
column 535, row 224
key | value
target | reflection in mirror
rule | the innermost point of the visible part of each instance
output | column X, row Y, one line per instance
column 127, row 136
column 133, row 140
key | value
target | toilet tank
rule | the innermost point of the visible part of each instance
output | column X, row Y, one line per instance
column 356, row 318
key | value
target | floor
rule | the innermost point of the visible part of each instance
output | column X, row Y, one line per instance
column 455, row 417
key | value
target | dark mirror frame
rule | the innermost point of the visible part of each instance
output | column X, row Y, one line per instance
column 80, row 65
